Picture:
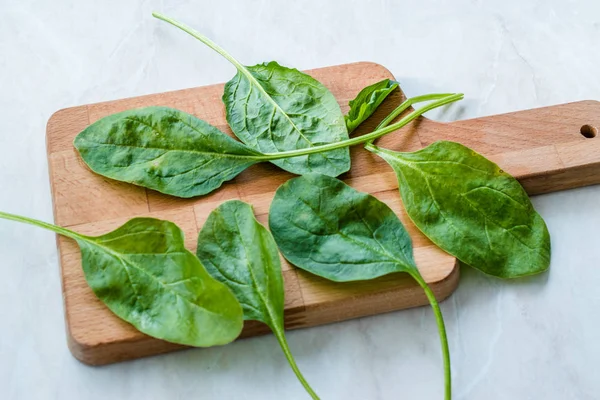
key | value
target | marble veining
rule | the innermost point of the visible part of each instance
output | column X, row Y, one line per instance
column 531, row 339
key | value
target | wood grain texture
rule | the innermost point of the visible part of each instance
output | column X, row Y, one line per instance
column 543, row 148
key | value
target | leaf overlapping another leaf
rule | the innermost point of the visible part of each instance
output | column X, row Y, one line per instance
column 240, row 252
column 273, row 108
column 472, row 209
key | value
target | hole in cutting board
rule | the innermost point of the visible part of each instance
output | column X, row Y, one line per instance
column 589, row 131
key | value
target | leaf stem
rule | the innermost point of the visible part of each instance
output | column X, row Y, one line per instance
column 41, row 224
column 288, row 354
column 238, row 65
column 408, row 103
column 441, row 99
column 194, row 33
column 442, row 332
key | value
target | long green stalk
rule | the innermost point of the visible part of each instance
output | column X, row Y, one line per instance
column 442, row 99
column 288, row 355
column 41, row 224
column 238, row 65
column 439, row 319
column 408, row 103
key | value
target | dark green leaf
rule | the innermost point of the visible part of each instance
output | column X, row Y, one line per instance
column 145, row 275
column 242, row 254
column 328, row 228
column 163, row 149
column 272, row 108
column 367, row 101
column 471, row 208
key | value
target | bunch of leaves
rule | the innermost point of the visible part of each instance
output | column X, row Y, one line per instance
column 281, row 115
column 463, row 202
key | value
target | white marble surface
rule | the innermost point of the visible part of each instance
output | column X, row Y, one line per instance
column 532, row 339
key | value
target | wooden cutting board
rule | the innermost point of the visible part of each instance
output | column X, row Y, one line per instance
column 547, row 149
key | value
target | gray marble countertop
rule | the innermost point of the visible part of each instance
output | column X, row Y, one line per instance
column 532, row 339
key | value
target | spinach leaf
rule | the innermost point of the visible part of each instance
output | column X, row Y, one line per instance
column 163, row 149
column 329, row 229
column 272, row 108
column 367, row 101
column 242, row 254
column 145, row 275
column 471, row 209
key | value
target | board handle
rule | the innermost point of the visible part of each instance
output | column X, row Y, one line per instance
column 548, row 149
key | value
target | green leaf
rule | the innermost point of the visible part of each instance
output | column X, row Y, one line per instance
column 328, row 228
column 242, row 254
column 272, row 108
column 163, row 149
column 145, row 275
column 471, row 209
column 367, row 101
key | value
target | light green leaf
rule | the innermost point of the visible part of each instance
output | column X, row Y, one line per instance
column 471, row 209
column 163, row 149
column 272, row 108
column 144, row 274
column 242, row 254
column 367, row 101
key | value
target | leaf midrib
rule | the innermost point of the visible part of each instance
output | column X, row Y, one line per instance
column 154, row 129
column 166, row 150
column 255, row 82
column 267, row 304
